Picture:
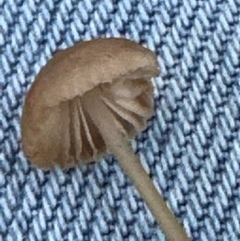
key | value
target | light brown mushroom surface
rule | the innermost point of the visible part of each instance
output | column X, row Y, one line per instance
column 59, row 125
column 92, row 99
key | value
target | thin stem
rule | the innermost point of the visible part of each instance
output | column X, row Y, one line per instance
column 165, row 218
column 131, row 164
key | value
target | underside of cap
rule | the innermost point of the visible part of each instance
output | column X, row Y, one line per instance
column 78, row 131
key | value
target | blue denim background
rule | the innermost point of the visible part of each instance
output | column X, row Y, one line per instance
column 191, row 147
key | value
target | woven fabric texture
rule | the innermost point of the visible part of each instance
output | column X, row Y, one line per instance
column 191, row 148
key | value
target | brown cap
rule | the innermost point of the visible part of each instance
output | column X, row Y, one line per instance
column 51, row 133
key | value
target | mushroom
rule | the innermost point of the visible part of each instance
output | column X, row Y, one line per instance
column 92, row 99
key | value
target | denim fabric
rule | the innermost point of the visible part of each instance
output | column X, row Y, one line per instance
column 191, row 147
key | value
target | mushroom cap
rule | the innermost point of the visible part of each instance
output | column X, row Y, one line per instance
column 56, row 125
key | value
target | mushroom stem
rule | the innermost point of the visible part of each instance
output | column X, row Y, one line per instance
column 133, row 168
column 118, row 145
